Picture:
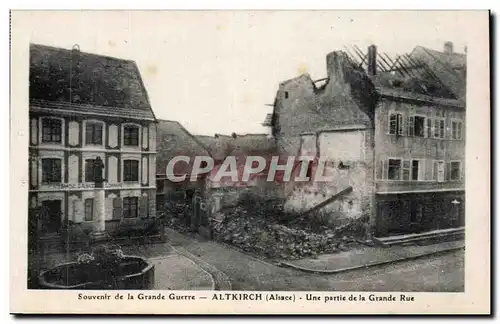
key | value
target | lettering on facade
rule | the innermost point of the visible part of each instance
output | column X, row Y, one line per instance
column 64, row 186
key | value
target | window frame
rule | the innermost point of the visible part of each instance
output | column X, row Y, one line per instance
column 48, row 179
column 93, row 123
column 459, row 170
column 126, row 139
column 124, row 173
column 51, row 119
column 460, row 123
column 435, row 179
column 440, row 121
column 421, row 166
column 126, row 202
column 424, row 129
column 399, row 123
column 400, row 168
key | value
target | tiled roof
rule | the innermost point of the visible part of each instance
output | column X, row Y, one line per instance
column 67, row 108
column 173, row 139
column 449, row 68
column 106, row 83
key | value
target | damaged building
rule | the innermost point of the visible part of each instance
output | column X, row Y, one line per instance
column 392, row 133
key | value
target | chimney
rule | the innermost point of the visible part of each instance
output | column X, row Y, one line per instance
column 448, row 47
column 372, row 60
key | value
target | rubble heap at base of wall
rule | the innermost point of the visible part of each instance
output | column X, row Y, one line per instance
column 266, row 234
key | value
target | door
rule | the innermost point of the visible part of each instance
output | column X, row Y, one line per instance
column 50, row 217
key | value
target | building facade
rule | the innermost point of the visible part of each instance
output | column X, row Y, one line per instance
column 84, row 106
column 393, row 131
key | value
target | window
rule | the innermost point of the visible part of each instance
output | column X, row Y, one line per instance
column 93, row 133
column 419, row 126
column 130, row 207
column 89, row 170
column 394, row 169
column 455, row 170
column 131, row 135
column 51, row 130
column 417, row 170
column 286, row 94
column 130, row 170
column 456, row 130
column 51, row 171
column 439, row 128
column 395, row 124
column 89, row 209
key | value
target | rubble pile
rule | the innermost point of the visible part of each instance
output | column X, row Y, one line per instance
column 265, row 234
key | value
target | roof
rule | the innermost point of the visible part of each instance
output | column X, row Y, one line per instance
column 101, row 83
column 449, row 68
column 172, row 140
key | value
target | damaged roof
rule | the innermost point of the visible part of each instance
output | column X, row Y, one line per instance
column 105, row 83
column 449, row 68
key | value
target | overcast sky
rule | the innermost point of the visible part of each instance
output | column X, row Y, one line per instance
column 215, row 71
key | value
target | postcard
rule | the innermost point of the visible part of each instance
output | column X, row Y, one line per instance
column 250, row 162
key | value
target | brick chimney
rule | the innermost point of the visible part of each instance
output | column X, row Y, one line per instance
column 372, row 60
column 448, row 47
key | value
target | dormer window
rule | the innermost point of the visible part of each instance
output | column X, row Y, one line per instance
column 51, row 130
column 131, row 135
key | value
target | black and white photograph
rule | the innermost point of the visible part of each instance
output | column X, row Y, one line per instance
column 224, row 154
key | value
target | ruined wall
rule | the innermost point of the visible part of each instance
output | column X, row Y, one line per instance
column 338, row 117
column 348, row 155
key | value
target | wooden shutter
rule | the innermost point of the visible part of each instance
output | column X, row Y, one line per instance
column 384, row 169
column 440, row 171
column 400, row 124
column 406, row 166
column 117, row 208
column 430, row 129
column 421, row 170
column 411, row 126
column 143, row 207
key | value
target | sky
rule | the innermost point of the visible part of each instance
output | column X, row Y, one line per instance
column 217, row 71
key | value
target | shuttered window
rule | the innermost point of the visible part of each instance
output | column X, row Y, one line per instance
column 394, row 169
column 438, row 173
column 455, row 170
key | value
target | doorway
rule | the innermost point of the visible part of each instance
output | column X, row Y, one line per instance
column 50, row 217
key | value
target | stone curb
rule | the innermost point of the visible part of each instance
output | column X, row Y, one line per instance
column 366, row 266
column 220, row 279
